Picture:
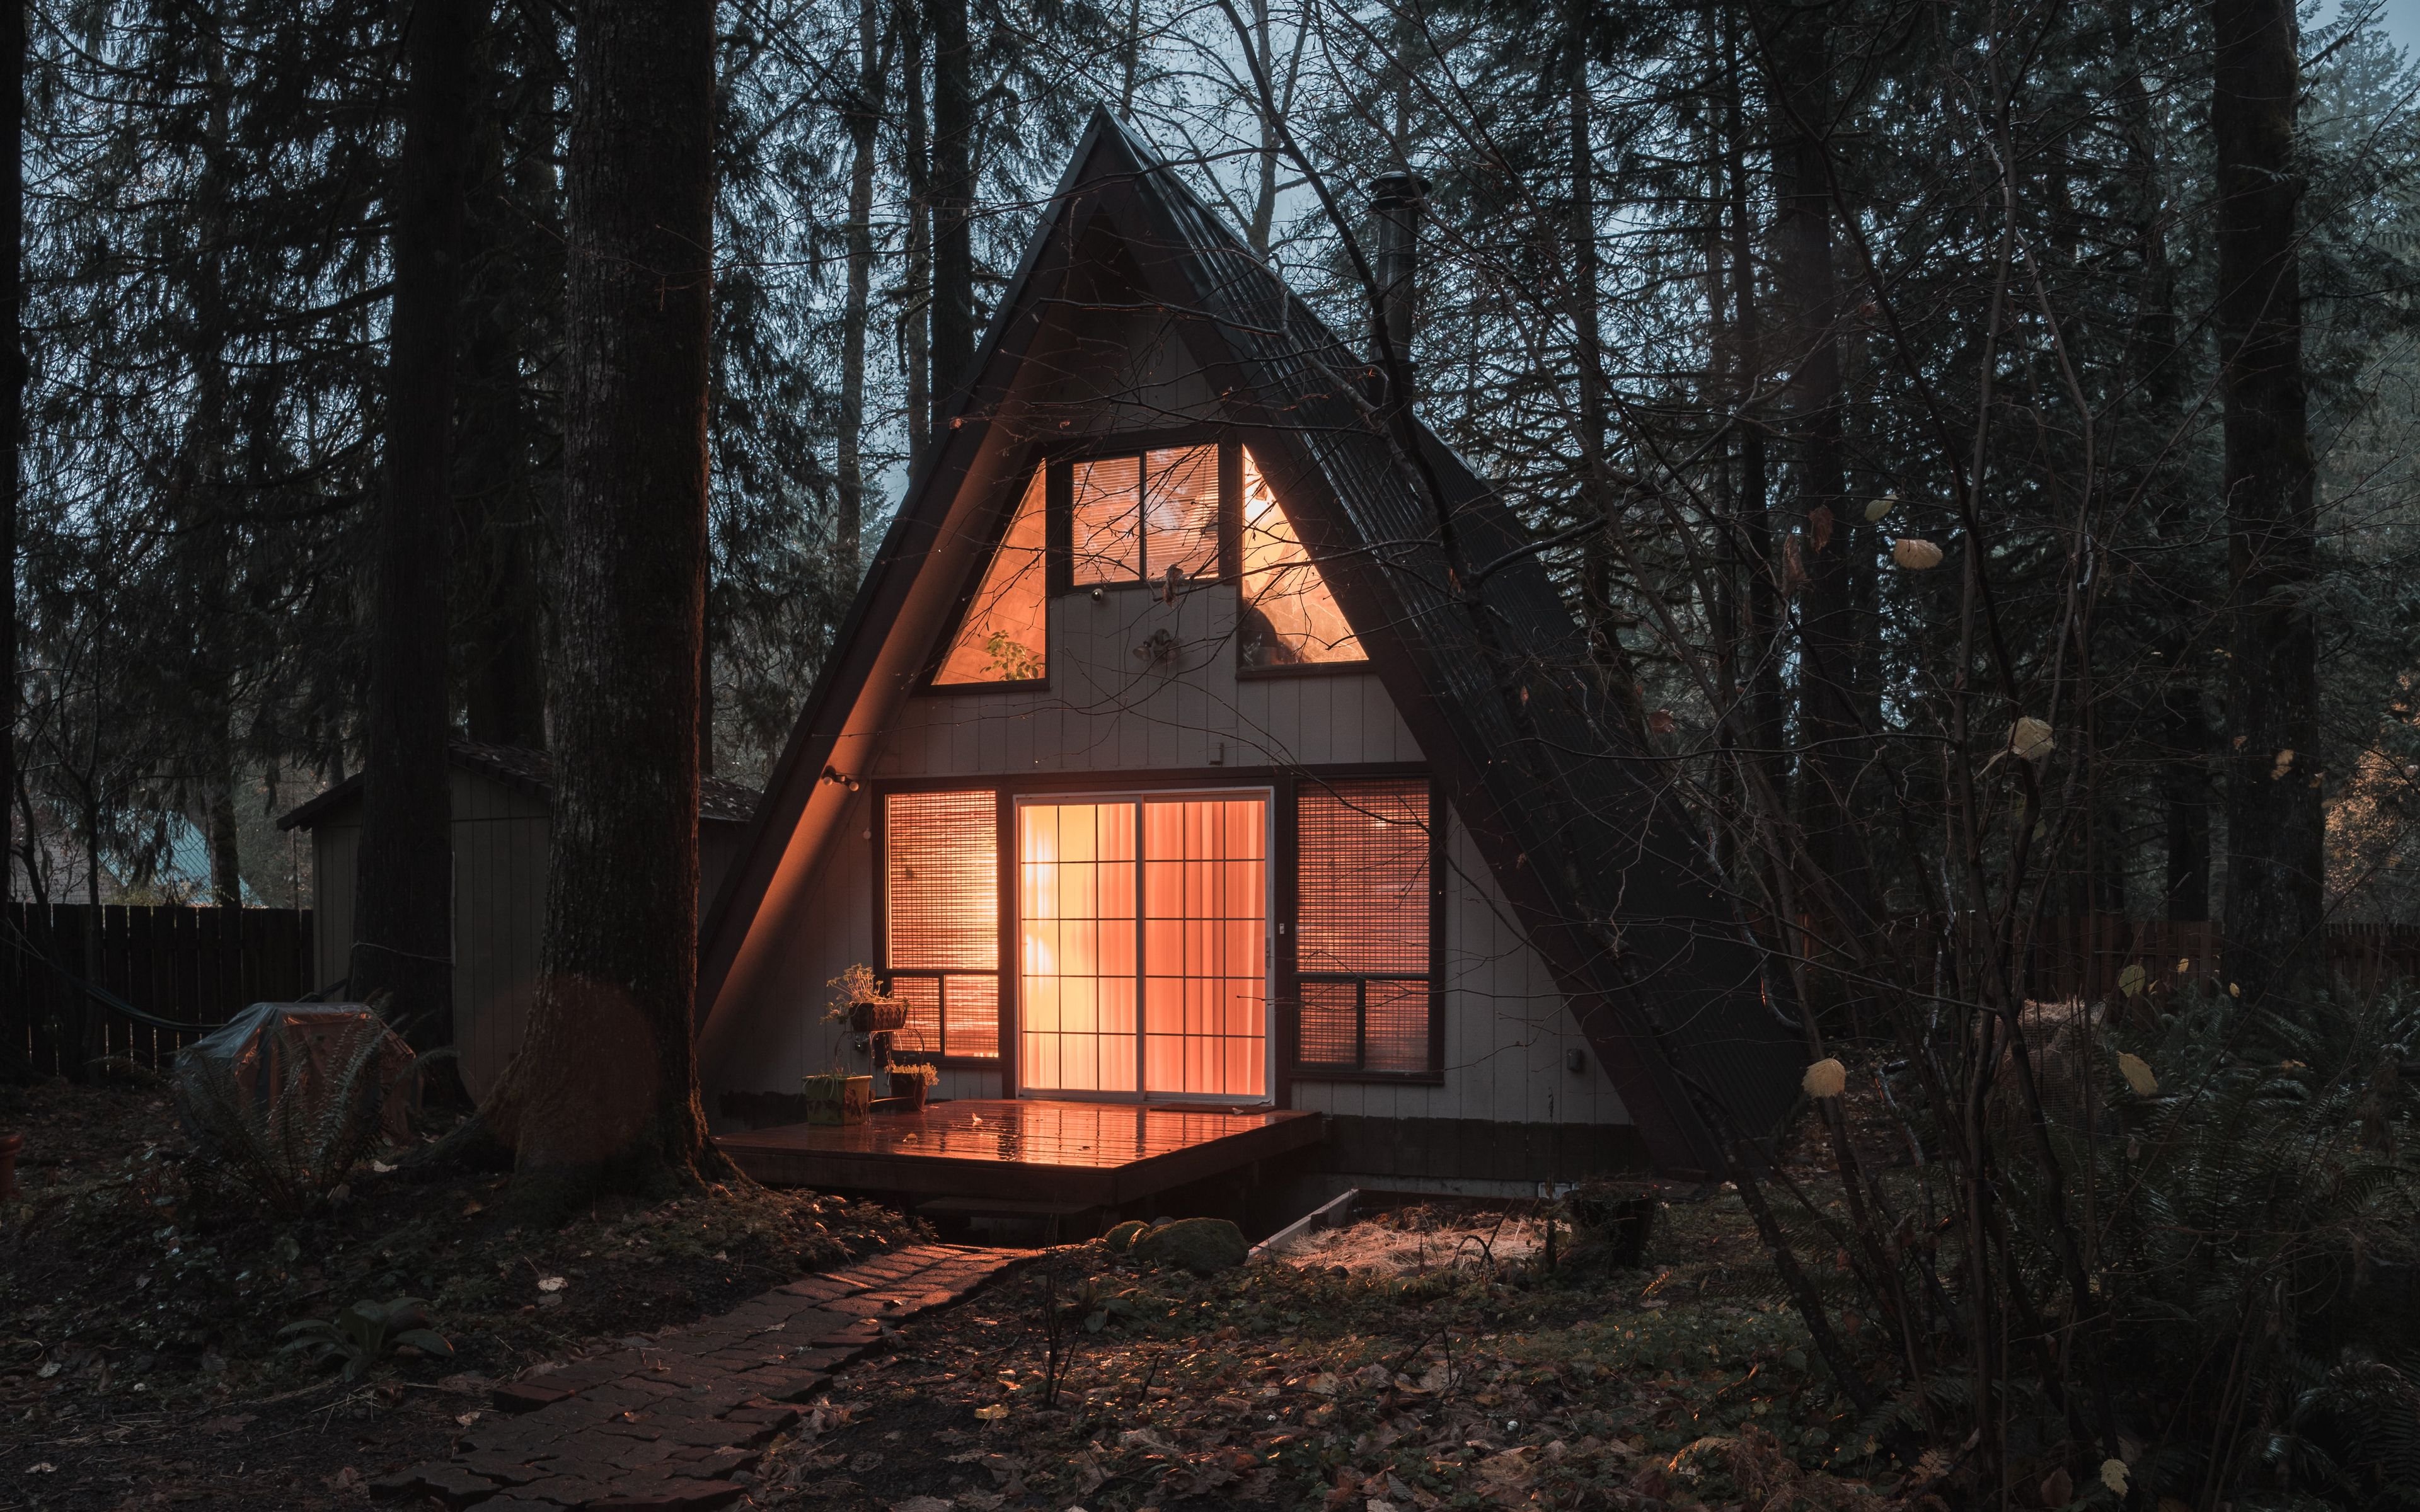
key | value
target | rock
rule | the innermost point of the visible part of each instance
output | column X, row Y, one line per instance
column 1201, row 1245
column 1120, row 1239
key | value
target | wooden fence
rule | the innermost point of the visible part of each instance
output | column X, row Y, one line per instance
column 188, row 966
column 2083, row 957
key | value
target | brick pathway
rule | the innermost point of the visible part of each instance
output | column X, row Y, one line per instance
column 664, row 1427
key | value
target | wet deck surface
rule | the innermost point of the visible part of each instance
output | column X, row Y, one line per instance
column 1025, row 1148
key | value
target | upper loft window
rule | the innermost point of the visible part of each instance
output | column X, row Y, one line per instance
column 1004, row 635
column 1143, row 518
column 1289, row 619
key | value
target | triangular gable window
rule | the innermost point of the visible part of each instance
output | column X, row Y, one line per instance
column 1290, row 618
column 1002, row 637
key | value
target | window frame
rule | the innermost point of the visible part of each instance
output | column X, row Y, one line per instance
column 1290, row 975
column 1003, row 520
column 1059, row 500
column 878, row 827
column 1059, row 459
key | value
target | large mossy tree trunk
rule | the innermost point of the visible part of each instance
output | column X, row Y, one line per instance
column 2275, row 831
column 603, row 1095
column 403, row 926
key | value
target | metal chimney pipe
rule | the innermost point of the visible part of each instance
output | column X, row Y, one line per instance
column 1395, row 201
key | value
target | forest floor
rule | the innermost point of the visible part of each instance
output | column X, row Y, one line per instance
column 1424, row 1357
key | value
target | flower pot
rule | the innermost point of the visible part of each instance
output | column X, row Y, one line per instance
column 910, row 1090
column 839, row 1098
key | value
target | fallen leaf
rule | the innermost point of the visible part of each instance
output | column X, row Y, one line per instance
column 552, row 1283
column 2283, row 764
column 1826, row 1078
column 2137, row 1073
column 992, row 1413
column 2113, row 1475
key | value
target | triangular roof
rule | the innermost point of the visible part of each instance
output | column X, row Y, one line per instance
column 1604, row 868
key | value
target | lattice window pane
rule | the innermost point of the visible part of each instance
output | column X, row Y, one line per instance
column 1180, row 513
column 972, row 1005
column 1327, row 1025
column 1107, row 534
column 1395, row 1035
column 941, row 881
column 922, row 1036
column 1363, row 887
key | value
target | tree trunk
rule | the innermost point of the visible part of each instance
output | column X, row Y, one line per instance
column 1760, row 623
column 866, row 114
column 2275, row 833
column 917, row 340
column 953, row 257
column 1828, row 529
column 1600, row 496
column 495, row 575
column 227, row 859
column 12, row 394
column 403, row 926
column 603, row 1095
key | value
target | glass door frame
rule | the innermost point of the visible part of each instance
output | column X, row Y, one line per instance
column 1012, row 936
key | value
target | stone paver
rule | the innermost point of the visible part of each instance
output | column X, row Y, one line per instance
column 663, row 1427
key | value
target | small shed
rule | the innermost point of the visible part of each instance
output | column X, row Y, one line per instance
column 500, row 798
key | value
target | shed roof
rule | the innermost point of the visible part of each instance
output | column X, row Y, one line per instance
column 532, row 774
column 1479, row 650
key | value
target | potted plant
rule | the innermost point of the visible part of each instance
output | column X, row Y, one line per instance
column 911, row 1081
column 839, row 1096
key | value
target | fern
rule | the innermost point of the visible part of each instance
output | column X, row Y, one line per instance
column 301, row 1137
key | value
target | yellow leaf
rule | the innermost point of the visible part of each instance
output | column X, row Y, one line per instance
column 1915, row 554
column 2283, row 764
column 2234, row 989
column 2113, row 1475
column 1826, row 1078
column 2031, row 739
column 2184, row 964
column 1880, row 507
column 992, row 1413
column 2129, row 980
column 2137, row 1073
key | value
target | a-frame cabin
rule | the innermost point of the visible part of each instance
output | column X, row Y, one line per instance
column 1174, row 757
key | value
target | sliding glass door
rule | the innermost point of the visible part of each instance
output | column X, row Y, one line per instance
column 1143, row 945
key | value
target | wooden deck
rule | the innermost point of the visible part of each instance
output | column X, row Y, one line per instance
column 1082, row 1154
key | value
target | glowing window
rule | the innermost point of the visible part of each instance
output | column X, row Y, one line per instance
column 1363, row 942
column 940, row 883
column 1138, row 519
column 1290, row 618
column 1002, row 636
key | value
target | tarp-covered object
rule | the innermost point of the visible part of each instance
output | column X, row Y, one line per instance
column 283, row 1069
